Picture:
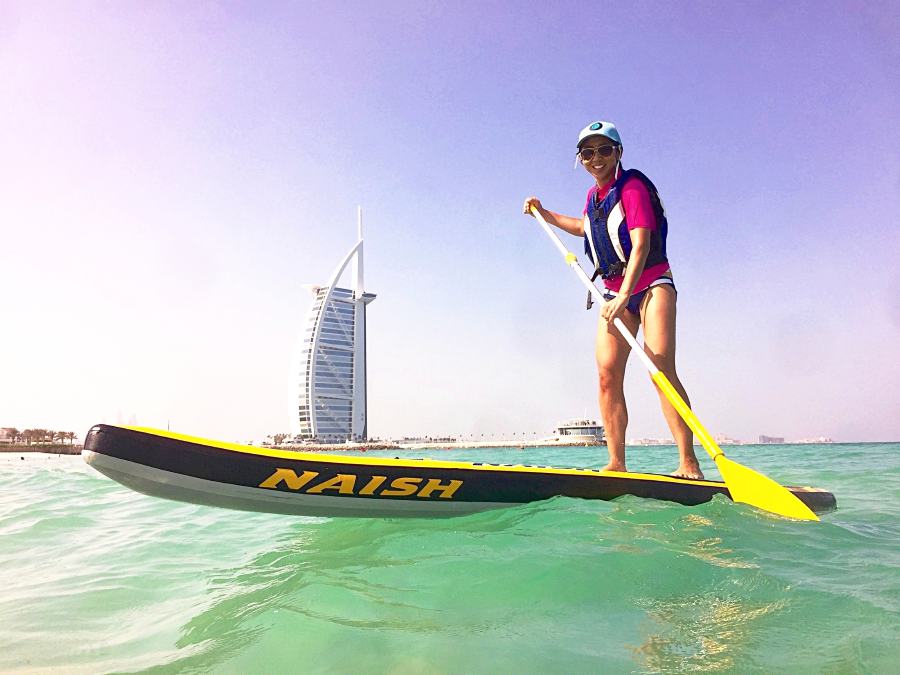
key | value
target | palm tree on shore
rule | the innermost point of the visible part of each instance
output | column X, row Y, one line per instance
column 32, row 436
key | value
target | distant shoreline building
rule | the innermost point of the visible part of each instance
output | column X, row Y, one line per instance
column 328, row 399
column 765, row 440
column 583, row 430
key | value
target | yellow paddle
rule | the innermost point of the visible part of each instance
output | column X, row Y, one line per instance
column 745, row 485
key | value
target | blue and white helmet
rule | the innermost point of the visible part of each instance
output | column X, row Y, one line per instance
column 600, row 128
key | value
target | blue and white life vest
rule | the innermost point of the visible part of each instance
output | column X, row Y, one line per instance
column 606, row 238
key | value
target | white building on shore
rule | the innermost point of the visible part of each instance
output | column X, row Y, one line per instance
column 328, row 398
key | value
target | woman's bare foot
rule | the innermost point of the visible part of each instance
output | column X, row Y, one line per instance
column 688, row 469
column 615, row 466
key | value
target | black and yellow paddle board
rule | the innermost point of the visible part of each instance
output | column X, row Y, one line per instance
column 199, row 471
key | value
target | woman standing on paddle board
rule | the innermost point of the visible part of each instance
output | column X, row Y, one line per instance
column 624, row 229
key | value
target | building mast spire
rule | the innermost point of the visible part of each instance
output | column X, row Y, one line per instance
column 358, row 260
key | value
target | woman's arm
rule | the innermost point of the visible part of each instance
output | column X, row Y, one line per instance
column 574, row 226
column 640, row 247
column 641, row 223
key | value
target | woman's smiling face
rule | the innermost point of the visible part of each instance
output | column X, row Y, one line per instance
column 599, row 156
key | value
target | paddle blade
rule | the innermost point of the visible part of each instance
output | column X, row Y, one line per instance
column 750, row 487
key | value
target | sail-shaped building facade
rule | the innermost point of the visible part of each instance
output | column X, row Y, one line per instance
column 328, row 401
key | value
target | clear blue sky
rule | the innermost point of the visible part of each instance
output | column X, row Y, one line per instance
column 174, row 172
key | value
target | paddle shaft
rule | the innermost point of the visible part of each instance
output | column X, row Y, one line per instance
column 658, row 376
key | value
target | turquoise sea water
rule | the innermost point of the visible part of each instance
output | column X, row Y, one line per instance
column 96, row 578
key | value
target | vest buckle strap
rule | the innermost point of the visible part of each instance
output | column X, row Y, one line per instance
column 615, row 269
column 590, row 300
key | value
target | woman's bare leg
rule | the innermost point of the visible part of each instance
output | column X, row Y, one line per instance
column 658, row 318
column 612, row 355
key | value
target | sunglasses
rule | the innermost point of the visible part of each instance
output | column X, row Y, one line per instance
column 587, row 154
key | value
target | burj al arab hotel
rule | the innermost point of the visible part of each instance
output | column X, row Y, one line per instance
column 328, row 401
